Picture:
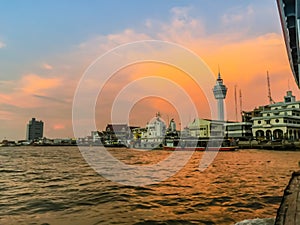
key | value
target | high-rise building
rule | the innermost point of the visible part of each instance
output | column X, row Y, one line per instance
column 220, row 91
column 34, row 129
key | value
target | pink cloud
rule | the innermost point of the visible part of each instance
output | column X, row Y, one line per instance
column 33, row 84
column 58, row 126
column 47, row 66
column 2, row 44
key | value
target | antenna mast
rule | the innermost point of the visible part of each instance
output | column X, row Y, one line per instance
column 241, row 104
column 269, row 89
column 235, row 101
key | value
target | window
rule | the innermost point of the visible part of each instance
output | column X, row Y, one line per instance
column 277, row 120
column 259, row 122
column 267, row 121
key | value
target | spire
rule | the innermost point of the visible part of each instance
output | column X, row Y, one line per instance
column 219, row 73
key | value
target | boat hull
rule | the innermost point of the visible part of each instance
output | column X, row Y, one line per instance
column 221, row 149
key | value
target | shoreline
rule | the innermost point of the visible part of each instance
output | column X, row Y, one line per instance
column 283, row 148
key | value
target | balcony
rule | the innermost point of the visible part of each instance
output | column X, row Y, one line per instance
column 267, row 126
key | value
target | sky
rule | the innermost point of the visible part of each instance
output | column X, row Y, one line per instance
column 47, row 46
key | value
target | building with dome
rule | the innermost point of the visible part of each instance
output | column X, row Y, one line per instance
column 154, row 134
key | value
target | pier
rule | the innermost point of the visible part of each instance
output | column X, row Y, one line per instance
column 289, row 210
column 270, row 145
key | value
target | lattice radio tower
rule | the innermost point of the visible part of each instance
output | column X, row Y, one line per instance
column 271, row 101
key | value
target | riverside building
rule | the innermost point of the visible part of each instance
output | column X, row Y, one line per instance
column 278, row 121
column 238, row 130
column 204, row 128
column 154, row 133
column 35, row 130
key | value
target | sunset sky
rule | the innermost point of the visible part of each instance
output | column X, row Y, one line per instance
column 46, row 47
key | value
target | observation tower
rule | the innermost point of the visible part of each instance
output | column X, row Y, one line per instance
column 220, row 91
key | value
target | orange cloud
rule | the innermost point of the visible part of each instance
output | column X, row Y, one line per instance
column 243, row 63
column 5, row 98
column 4, row 115
column 148, row 106
column 243, row 59
column 246, row 63
column 34, row 84
column 58, row 126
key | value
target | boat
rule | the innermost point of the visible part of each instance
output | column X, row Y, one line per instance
column 114, row 144
column 194, row 144
column 221, row 149
column 154, row 145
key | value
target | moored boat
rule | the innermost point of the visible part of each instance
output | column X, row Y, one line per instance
column 222, row 148
column 193, row 144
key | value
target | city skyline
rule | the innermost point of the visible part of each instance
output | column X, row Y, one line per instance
column 45, row 47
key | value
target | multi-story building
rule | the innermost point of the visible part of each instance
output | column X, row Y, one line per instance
column 241, row 130
column 278, row 121
column 35, row 130
column 117, row 131
column 204, row 128
column 238, row 130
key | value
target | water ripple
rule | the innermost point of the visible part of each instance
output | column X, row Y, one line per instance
column 56, row 186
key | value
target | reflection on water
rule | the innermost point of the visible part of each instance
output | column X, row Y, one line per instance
column 54, row 185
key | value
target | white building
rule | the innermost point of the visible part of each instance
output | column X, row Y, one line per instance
column 279, row 121
column 154, row 134
column 96, row 137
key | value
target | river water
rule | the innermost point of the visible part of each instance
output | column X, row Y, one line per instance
column 55, row 185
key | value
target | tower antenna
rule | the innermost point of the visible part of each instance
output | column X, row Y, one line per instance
column 235, row 102
column 269, row 89
column 241, row 104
